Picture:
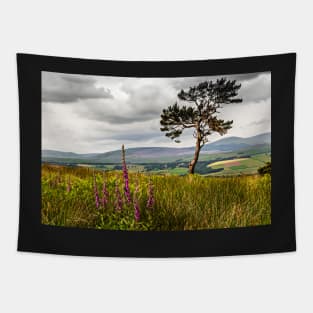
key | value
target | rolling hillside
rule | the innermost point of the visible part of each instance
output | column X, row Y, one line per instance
column 216, row 150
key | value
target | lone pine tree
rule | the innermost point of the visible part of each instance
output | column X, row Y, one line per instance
column 200, row 113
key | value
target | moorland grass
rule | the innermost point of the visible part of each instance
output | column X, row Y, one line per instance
column 188, row 202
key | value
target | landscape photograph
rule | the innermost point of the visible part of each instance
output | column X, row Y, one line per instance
column 156, row 154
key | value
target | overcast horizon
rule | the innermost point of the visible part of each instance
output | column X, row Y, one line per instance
column 93, row 114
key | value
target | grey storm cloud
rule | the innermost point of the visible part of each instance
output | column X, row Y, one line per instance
column 186, row 82
column 64, row 88
column 114, row 118
column 144, row 99
column 254, row 86
column 136, row 101
column 133, row 135
column 83, row 113
column 261, row 122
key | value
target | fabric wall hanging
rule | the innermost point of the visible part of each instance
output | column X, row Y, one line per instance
column 156, row 159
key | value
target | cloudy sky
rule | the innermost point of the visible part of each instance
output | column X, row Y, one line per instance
column 85, row 114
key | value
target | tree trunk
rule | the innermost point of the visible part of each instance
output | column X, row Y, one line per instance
column 193, row 163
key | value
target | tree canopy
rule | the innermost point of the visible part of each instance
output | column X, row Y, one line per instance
column 200, row 112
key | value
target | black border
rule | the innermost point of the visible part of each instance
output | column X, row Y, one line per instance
column 277, row 237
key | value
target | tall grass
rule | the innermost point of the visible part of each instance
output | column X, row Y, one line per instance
column 163, row 202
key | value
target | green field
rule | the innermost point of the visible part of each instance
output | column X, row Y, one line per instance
column 251, row 159
column 180, row 202
column 222, row 164
column 240, row 166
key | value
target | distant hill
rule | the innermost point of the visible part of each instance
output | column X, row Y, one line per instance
column 61, row 154
column 161, row 154
column 236, row 143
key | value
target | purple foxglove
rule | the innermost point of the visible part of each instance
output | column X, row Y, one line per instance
column 150, row 201
column 136, row 203
column 105, row 195
column 137, row 211
column 96, row 193
column 119, row 200
column 125, row 177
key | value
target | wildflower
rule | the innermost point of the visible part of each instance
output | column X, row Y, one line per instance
column 95, row 189
column 137, row 211
column 125, row 176
column 136, row 204
column 105, row 195
column 150, row 201
column 119, row 201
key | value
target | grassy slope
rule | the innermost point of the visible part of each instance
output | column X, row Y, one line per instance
column 244, row 166
column 181, row 202
column 114, row 157
column 258, row 153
